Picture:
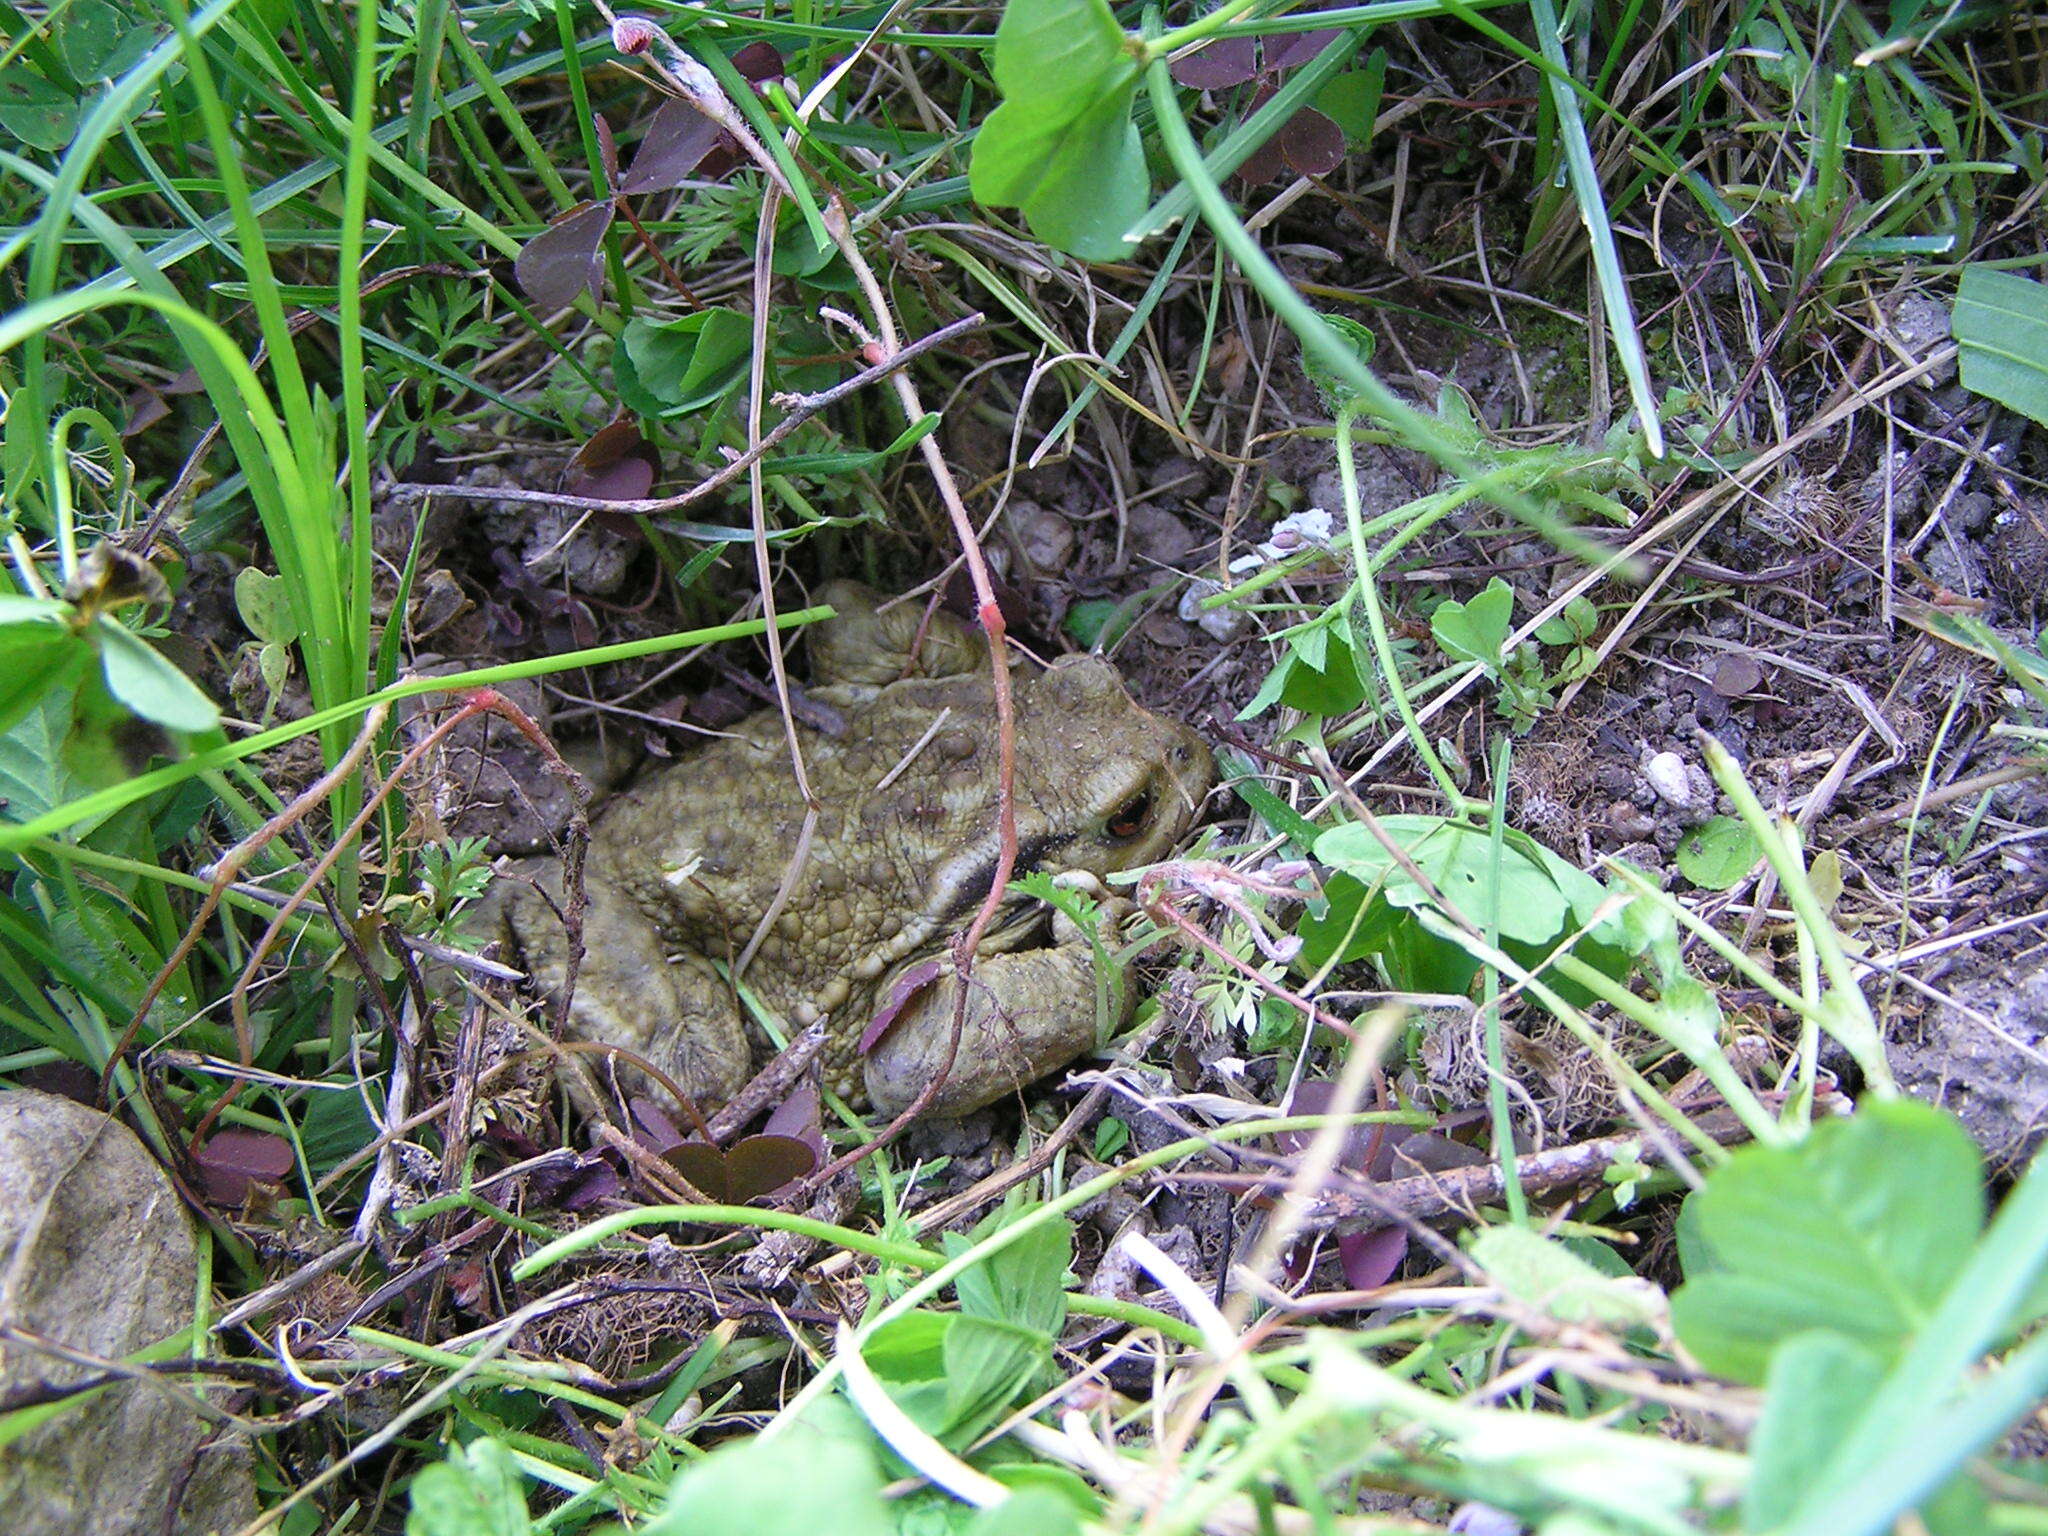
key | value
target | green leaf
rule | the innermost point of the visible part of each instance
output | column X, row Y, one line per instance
column 804, row 1481
column 1857, row 1230
column 1096, row 186
column 265, row 604
column 1458, row 861
column 1817, row 1384
column 1112, row 1135
column 989, row 1362
column 35, row 112
column 1062, row 146
column 1352, row 100
column 477, row 1491
column 910, row 1347
column 1054, row 56
column 1028, row 1512
column 1544, row 1274
column 1022, row 1284
column 1099, row 621
column 1356, row 926
column 150, row 685
column 1081, row 181
column 35, row 661
column 1573, row 626
column 34, row 777
column 1718, row 853
column 682, row 365
column 2000, row 323
column 99, row 39
column 1335, row 389
column 1329, row 691
column 1476, row 630
column 334, row 1127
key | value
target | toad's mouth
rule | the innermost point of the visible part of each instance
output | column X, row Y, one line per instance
column 969, row 889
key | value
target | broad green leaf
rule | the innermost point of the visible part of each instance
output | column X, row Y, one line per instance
column 1476, row 630
column 99, row 39
column 1029, row 1512
column 1012, row 153
column 1024, row 1283
column 1352, row 99
column 477, row 1491
column 37, row 660
column 334, row 1127
column 1356, row 926
column 1544, row 1274
column 989, row 1364
column 1817, row 1384
column 803, row 1482
column 34, row 777
column 1858, row 1230
column 1458, row 861
column 1097, row 186
column 34, row 111
column 1053, row 56
column 265, row 604
column 150, row 685
column 1718, row 853
column 1333, row 689
column 911, row 1347
column 2000, row 323
column 685, row 364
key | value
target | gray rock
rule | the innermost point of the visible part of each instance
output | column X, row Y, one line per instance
column 96, row 1254
column 1986, row 1059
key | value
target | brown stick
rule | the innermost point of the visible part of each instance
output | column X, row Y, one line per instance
column 1455, row 1192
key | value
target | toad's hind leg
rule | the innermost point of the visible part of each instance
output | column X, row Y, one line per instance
column 676, row 1013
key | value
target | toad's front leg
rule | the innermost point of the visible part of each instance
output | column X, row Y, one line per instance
column 672, row 1010
column 1028, row 1013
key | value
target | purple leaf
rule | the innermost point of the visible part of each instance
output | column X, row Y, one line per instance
column 1226, row 62
column 1266, row 163
column 801, row 1118
column 598, row 1182
column 911, row 983
column 561, row 261
column 1427, row 1152
column 759, row 61
column 1370, row 1259
column 676, row 143
column 703, row 1165
column 1297, row 48
column 607, row 149
column 1313, row 1096
column 1311, row 143
column 626, row 479
column 653, row 1129
column 1737, row 675
column 762, row 1165
column 757, row 1165
column 232, row 1162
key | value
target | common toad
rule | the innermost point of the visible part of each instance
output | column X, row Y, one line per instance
column 682, row 869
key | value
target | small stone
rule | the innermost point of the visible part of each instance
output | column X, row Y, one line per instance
column 1217, row 623
column 1045, row 538
column 1665, row 773
column 96, row 1254
column 1737, row 675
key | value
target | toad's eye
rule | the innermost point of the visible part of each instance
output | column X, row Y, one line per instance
column 1130, row 818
